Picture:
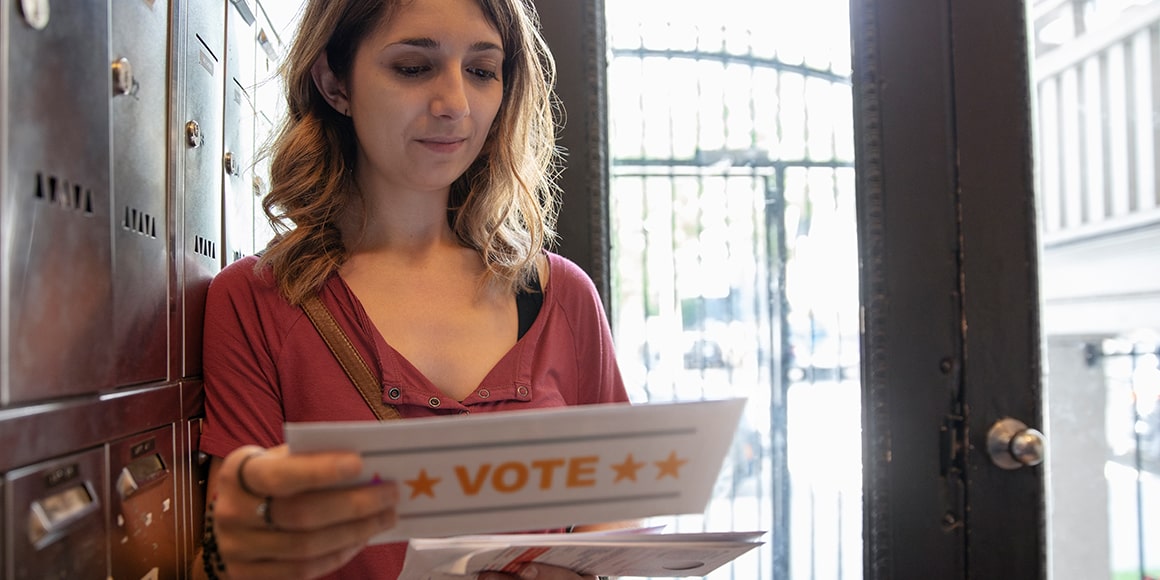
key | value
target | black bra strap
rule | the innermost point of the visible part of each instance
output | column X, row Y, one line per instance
column 528, row 304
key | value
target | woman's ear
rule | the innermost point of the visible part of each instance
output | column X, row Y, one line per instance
column 332, row 88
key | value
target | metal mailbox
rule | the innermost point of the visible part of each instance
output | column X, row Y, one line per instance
column 237, row 191
column 199, row 123
column 143, row 507
column 197, row 482
column 270, row 105
column 140, row 73
column 57, row 525
column 56, row 251
column 129, row 176
column 267, row 110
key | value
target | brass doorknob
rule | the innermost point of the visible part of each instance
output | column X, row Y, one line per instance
column 1012, row 444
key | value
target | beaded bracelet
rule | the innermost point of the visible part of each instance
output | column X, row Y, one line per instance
column 210, row 556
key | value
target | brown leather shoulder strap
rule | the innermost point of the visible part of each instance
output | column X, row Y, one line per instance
column 352, row 362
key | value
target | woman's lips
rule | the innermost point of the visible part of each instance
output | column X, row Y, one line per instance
column 443, row 144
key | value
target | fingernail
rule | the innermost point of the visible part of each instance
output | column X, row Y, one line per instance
column 529, row 572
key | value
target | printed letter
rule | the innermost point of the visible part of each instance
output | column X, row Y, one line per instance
column 472, row 487
column 547, row 467
column 499, row 478
column 579, row 466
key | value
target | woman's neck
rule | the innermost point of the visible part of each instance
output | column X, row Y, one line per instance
column 408, row 223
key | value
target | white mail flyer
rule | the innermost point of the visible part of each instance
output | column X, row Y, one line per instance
column 606, row 553
column 537, row 469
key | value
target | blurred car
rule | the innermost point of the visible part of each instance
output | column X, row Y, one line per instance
column 704, row 353
column 743, row 462
column 817, row 353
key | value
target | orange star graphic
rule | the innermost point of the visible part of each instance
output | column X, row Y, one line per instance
column 670, row 466
column 423, row 485
column 627, row 470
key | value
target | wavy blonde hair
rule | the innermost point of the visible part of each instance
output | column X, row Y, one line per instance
column 504, row 205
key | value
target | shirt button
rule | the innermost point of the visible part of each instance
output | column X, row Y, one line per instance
column 522, row 392
column 394, row 393
column 484, row 393
column 434, row 401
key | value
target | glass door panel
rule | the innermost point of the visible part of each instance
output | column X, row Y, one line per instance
column 1096, row 81
column 734, row 257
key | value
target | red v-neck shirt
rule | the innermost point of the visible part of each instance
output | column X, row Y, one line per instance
column 265, row 364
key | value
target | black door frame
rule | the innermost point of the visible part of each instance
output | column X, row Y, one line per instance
column 952, row 344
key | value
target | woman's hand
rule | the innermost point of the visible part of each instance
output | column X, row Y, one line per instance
column 538, row 572
column 275, row 516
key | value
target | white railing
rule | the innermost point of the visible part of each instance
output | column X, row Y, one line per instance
column 1098, row 125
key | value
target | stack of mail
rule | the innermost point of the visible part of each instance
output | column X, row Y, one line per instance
column 597, row 553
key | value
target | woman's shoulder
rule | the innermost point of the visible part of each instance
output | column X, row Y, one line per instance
column 247, row 281
column 243, row 274
column 568, row 281
column 565, row 270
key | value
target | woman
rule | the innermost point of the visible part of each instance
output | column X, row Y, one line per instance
column 415, row 168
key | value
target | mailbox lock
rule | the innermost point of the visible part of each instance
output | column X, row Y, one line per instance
column 193, row 134
column 36, row 13
column 123, row 81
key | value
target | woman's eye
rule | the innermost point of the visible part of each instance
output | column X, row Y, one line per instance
column 412, row 71
column 483, row 74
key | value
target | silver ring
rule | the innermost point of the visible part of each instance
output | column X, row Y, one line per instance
column 263, row 511
column 242, row 474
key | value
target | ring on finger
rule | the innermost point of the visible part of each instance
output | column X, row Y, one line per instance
column 242, row 474
column 263, row 511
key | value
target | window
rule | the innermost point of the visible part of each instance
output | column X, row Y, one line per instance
column 734, row 257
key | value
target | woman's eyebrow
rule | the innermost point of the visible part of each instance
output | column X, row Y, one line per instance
column 425, row 42
column 484, row 46
column 417, row 42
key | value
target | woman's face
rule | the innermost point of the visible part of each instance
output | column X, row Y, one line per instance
column 424, row 89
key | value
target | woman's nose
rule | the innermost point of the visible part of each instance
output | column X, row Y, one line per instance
column 450, row 97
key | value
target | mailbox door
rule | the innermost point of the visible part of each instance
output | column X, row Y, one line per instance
column 143, row 506
column 55, row 254
column 57, row 526
column 140, row 225
column 237, row 191
column 200, row 126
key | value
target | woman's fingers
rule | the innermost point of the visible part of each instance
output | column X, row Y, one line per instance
column 257, row 545
column 278, row 515
column 292, row 569
column 274, row 491
column 311, row 510
column 274, row 472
